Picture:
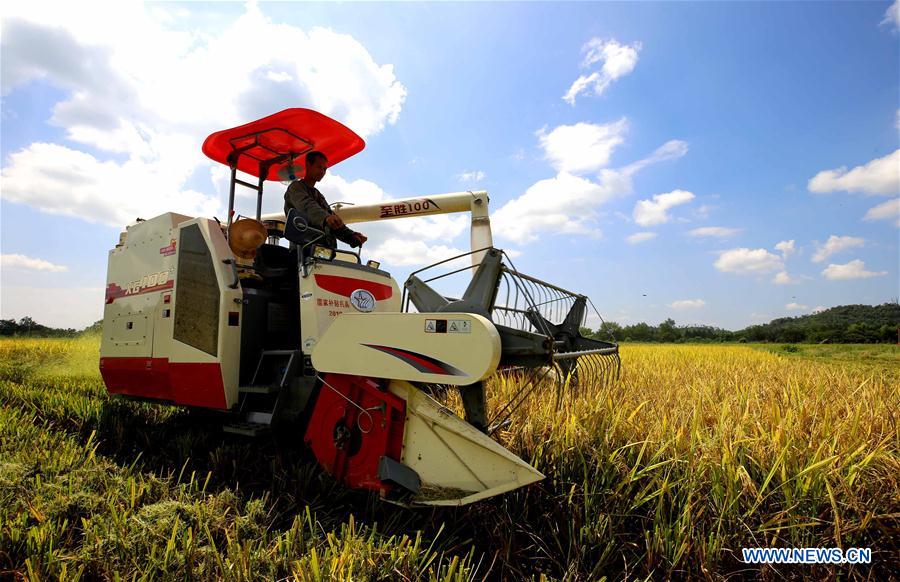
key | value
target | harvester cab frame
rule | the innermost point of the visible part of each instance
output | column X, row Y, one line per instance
column 326, row 350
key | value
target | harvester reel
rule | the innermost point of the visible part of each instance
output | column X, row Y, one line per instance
column 533, row 346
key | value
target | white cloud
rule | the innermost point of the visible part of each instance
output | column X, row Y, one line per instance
column 618, row 180
column 359, row 191
column 640, row 237
column 687, row 304
column 616, row 60
column 568, row 203
column 744, row 261
column 440, row 227
column 716, row 231
column 818, row 309
column 650, row 212
column 855, row 269
column 14, row 261
column 67, row 307
column 561, row 204
column 60, row 180
column 786, row 247
column 892, row 15
column 783, row 278
column 476, row 176
column 878, row 177
column 796, row 307
column 279, row 76
column 836, row 244
column 579, row 85
column 582, row 147
column 122, row 99
column 413, row 253
column 889, row 210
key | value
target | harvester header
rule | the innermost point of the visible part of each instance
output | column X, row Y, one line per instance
column 259, row 319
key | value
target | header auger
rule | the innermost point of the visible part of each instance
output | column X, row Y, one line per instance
column 313, row 343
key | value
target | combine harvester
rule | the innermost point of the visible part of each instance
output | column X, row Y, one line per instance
column 315, row 344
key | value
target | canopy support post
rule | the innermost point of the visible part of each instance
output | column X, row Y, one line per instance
column 259, row 191
column 231, row 199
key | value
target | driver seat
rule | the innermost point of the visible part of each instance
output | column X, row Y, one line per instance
column 298, row 231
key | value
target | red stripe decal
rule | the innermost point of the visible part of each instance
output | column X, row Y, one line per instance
column 420, row 362
column 114, row 292
column 433, row 368
column 347, row 285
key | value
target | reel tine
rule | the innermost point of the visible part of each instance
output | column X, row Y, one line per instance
column 597, row 369
column 559, row 384
column 581, row 371
column 585, row 372
column 601, row 370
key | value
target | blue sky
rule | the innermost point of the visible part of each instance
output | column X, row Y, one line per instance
column 706, row 137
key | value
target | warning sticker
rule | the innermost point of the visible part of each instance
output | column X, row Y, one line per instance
column 435, row 326
column 459, row 326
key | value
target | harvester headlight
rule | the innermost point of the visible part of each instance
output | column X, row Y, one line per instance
column 321, row 252
column 373, row 264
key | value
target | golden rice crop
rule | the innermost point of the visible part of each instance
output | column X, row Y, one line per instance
column 706, row 449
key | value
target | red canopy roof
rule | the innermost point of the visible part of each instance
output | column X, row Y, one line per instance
column 281, row 140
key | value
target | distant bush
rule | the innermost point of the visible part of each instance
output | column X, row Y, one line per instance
column 30, row 328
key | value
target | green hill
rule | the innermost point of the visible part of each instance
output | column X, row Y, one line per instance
column 842, row 324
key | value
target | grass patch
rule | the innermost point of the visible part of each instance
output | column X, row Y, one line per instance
column 883, row 354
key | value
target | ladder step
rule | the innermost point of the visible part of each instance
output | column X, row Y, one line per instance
column 258, row 416
column 278, row 352
column 265, row 389
column 250, row 429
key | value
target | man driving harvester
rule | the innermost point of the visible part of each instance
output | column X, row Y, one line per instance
column 305, row 197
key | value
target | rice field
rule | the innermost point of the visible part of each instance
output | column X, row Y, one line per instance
column 696, row 452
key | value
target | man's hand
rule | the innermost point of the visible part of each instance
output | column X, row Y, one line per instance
column 333, row 221
column 360, row 237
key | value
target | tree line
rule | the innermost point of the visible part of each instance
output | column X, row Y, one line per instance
column 842, row 324
column 30, row 328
